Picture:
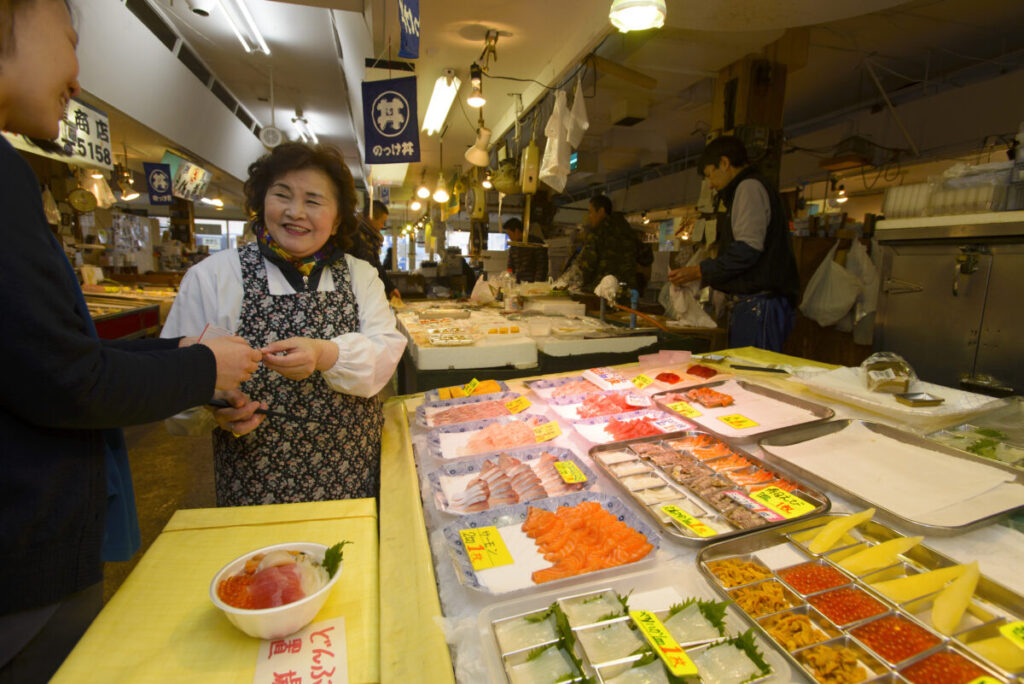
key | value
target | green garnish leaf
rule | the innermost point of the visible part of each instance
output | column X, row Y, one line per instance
column 595, row 597
column 746, row 643
column 332, row 557
column 648, row 658
column 567, row 677
column 989, row 432
column 983, row 447
column 624, row 601
column 538, row 617
column 714, row 611
column 537, row 652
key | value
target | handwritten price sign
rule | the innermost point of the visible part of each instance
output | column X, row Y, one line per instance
column 786, row 504
column 737, row 421
column 641, row 381
column 570, row 472
column 485, row 547
column 674, row 657
column 470, row 387
column 518, row 405
column 688, row 521
column 1014, row 631
column 547, row 431
column 684, row 408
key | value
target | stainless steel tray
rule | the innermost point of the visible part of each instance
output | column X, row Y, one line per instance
column 812, row 432
column 991, row 606
column 820, row 413
column 705, row 511
column 1003, row 426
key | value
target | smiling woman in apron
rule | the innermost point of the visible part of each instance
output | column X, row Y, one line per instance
column 322, row 321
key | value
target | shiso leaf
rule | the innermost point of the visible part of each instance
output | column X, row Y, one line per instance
column 714, row 611
column 624, row 600
column 989, row 432
column 332, row 557
column 537, row 652
column 746, row 643
column 649, row 657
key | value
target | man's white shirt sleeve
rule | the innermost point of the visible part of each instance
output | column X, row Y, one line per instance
column 751, row 213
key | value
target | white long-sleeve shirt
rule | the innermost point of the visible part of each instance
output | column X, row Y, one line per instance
column 212, row 291
column 751, row 213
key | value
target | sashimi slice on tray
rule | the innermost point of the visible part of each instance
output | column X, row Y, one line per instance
column 515, row 477
column 625, row 426
column 599, row 404
column 572, row 386
column 467, row 409
column 483, row 436
column 685, row 375
column 548, row 540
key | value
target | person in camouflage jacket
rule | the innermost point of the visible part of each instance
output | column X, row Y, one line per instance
column 610, row 246
column 529, row 264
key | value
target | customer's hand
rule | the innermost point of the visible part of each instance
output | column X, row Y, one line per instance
column 236, row 360
column 298, row 357
column 187, row 341
column 686, row 274
column 241, row 418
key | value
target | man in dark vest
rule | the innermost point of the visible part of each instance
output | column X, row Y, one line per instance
column 755, row 265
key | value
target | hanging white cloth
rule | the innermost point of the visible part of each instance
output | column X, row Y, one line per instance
column 554, row 166
column 578, row 121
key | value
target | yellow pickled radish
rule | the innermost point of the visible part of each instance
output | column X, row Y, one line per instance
column 879, row 556
column 1000, row 651
column 834, row 531
column 953, row 601
column 913, row 586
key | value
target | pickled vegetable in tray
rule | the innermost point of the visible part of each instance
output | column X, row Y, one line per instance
column 850, row 600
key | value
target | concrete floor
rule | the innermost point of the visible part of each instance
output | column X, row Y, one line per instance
column 169, row 473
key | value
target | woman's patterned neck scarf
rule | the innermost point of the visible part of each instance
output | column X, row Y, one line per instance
column 303, row 265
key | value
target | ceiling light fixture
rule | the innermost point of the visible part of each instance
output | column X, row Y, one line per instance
column 214, row 201
column 423, row 192
column 645, row 218
column 253, row 42
column 486, row 182
column 445, row 90
column 842, row 196
column 96, row 173
column 476, row 98
column 477, row 154
column 637, row 15
column 416, row 205
column 125, row 180
column 302, row 128
column 441, row 195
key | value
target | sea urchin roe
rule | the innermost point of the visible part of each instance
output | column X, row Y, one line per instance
column 895, row 638
column 793, row 631
column 809, row 578
column 234, row 591
column 946, row 667
column 844, row 606
column 761, row 599
column 732, row 572
column 831, row 665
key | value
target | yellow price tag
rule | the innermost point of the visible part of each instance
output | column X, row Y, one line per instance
column 641, row 381
column 688, row 521
column 1014, row 631
column 684, row 408
column 570, row 472
column 984, row 680
column 786, row 504
column 547, row 431
column 485, row 547
column 470, row 386
column 518, row 404
column 675, row 658
column 737, row 421
column 111, row 288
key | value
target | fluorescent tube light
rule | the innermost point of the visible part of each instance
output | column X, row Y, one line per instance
column 445, row 90
column 231, row 7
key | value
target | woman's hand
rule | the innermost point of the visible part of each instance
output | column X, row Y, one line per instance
column 241, row 418
column 298, row 357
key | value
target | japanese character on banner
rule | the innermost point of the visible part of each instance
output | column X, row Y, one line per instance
column 390, row 121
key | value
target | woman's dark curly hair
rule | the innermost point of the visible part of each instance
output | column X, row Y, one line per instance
column 293, row 156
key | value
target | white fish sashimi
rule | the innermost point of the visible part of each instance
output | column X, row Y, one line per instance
column 550, row 666
column 651, row 673
column 521, row 633
column 633, row 468
column 725, row 664
column 610, row 642
column 587, row 610
column 689, row 625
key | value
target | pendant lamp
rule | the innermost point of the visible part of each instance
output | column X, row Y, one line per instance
column 637, row 15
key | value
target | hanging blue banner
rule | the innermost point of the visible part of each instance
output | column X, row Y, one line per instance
column 390, row 121
column 158, row 180
column 409, row 18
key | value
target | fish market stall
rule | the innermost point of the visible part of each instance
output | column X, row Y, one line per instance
column 689, row 458
column 118, row 320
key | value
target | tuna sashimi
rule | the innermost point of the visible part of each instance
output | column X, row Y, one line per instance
column 701, row 371
column 575, row 387
column 276, row 586
column 631, row 429
column 596, row 404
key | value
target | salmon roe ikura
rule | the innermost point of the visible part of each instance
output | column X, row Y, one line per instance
column 943, row 668
column 812, row 577
column 844, row 606
column 895, row 638
column 234, row 591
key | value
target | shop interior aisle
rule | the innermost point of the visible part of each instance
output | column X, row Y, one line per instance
column 169, row 473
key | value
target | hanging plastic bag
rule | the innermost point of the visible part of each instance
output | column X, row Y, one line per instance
column 831, row 291
column 554, row 166
column 859, row 263
column 482, row 293
column 682, row 307
column 50, row 208
column 578, row 121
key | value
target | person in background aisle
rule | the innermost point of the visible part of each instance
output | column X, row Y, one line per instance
column 368, row 240
column 610, row 246
column 755, row 265
column 327, row 334
column 66, row 500
column 528, row 264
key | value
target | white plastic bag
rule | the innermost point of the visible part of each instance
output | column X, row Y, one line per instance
column 860, row 264
column 554, row 165
column 578, row 120
column 482, row 293
column 831, row 291
column 682, row 307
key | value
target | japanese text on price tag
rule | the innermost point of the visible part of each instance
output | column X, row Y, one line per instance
column 570, row 472
column 786, row 504
column 518, row 404
column 641, row 381
column 485, row 547
column 737, row 421
column 684, row 408
column 470, row 386
column 1014, row 631
column 688, row 521
column 984, row 680
column 675, row 658
column 547, row 431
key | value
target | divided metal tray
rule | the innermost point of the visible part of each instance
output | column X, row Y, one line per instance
column 777, row 551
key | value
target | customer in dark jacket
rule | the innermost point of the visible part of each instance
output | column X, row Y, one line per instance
column 369, row 239
column 529, row 263
column 610, row 246
column 66, row 392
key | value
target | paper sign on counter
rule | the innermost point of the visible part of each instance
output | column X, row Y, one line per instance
column 786, row 504
column 547, row 431
column 684, row 408
column 570, row 472
column 1014, row 631
column 470, row 387
column 518, row 404
column 485, row 547
column 674, row 657
column 737, row 421
column 641, row 381
column 316, row 653
column 688, row 521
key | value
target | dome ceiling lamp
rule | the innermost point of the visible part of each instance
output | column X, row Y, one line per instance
column 637, row 15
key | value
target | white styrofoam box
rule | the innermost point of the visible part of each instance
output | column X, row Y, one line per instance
column 520, row 352
column 557, row 347
column 555, row 305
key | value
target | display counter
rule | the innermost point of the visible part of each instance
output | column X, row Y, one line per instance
column 120, row 319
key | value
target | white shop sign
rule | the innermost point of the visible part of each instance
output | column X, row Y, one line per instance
column 84, row 136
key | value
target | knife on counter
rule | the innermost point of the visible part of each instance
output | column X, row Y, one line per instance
column 764, row 369
column 223, row 403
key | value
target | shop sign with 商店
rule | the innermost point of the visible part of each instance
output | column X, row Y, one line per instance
column 390, row 121
column 84, row 138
